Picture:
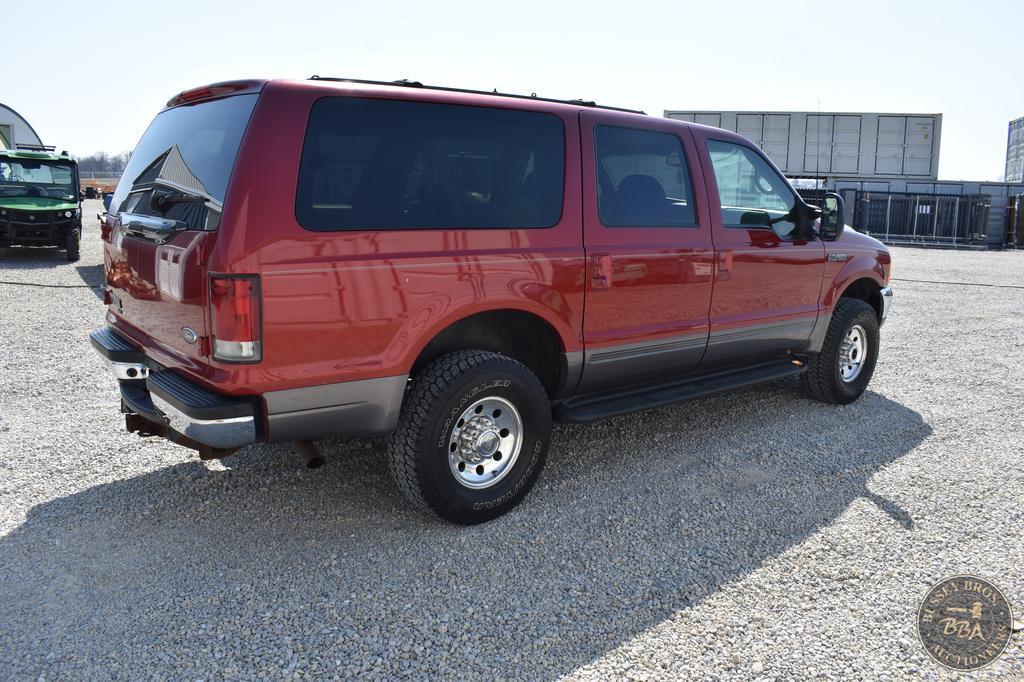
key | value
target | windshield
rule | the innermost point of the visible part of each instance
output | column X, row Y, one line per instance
column 31, row 178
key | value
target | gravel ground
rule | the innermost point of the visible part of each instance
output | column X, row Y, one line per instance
column 757, row 534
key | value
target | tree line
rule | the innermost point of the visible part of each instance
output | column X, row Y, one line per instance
column 102, row 162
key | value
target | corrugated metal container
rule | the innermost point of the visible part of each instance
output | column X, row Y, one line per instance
column 837, row 145
column 1015, row 151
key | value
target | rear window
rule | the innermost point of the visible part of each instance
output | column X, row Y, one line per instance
column 391, row 165
column 191, row 149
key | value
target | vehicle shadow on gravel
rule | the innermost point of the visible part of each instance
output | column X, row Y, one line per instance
column 20, row 258
column 31, row 257
column 264, row 566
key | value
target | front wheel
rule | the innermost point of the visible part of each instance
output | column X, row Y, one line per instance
column 472, row 437
column 73, row 244
column 841, row 371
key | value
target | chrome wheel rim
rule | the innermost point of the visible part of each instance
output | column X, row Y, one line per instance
column 852, row 353
column 485, row 443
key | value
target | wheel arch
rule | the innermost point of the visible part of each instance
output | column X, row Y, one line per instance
column 861, row 280
column 867, row 289
column 519, row 334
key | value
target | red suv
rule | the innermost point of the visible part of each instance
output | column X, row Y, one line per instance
column 294, row 260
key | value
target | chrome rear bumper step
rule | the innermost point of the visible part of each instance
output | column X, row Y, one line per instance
column 181, row 410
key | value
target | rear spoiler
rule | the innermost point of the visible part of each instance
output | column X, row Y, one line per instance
column 214, row 91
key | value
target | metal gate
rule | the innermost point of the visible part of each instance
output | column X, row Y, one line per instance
column 1015, row 222
column 896, row 218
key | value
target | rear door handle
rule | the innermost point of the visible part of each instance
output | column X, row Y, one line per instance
column 600, row 271
column 724, row 264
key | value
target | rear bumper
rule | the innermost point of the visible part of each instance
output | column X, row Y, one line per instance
column 179, row 409
column 886, row 302
column 186, row 413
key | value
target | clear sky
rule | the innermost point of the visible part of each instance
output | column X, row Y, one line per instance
column 89, row 76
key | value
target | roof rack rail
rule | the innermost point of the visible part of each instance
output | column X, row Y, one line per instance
column 416, row 84
column 36, row 147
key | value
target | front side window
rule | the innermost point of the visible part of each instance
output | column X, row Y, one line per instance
column 642, row 179
column 751, row 192
column 378, row 164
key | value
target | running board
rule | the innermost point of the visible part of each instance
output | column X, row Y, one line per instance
column 590, row 408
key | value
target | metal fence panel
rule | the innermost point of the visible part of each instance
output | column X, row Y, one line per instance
column 948, row 219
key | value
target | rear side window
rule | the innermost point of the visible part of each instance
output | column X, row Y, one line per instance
column 377, row 164
column 642, row 179
column 188, row 151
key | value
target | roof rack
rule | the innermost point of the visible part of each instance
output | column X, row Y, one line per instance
column 36, row 147
column 416, row 84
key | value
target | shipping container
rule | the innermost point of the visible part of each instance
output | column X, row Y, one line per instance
column 837, row 145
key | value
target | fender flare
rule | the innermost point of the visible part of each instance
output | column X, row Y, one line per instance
column 858, row 268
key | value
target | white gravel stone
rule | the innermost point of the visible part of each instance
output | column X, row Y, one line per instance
column 756, row 534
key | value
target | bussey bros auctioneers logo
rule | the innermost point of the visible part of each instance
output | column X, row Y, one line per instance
column 964, row 622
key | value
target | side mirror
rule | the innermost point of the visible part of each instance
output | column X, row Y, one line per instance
column 804, row 215
column 756, row 219
column 832, row 210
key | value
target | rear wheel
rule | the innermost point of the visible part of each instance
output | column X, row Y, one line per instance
column 472, row 437
column 841, row 371
column 73, row 244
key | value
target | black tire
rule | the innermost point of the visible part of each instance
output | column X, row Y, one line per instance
column 823, row 379
column 73, row 244
column 433, row 403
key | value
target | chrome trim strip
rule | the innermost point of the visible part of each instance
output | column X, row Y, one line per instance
column 762, row 329
column 637, row 361
column 647, row 348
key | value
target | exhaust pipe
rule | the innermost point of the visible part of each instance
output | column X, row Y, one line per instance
column 309, row 454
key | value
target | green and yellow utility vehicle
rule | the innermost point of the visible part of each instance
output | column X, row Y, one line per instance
column 39, row 199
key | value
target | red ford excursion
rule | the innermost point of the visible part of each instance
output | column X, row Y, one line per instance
column 295, row 260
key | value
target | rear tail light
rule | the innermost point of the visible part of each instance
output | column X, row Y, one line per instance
column 235, row 318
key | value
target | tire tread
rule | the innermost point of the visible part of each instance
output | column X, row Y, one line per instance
column 74, row 245
column 426, row 389
column 818, row 381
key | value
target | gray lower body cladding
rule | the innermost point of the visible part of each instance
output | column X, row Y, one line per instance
column 353, row 408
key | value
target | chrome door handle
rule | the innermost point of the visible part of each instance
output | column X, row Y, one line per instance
column 724, row 264
column 600, row 271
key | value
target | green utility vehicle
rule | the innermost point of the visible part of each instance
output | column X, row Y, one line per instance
column 39, row 199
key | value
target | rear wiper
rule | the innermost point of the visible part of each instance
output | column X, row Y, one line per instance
column 163, row 198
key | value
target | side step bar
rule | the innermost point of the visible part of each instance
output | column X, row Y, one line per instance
column 590, row 408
